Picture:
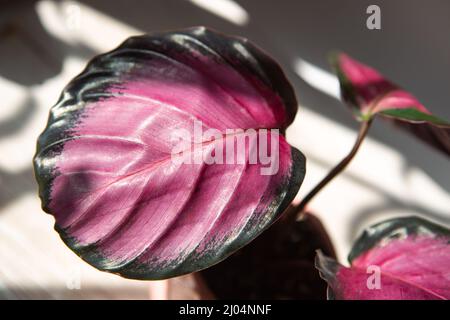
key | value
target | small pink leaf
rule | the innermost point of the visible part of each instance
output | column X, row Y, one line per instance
column 370, row 94
column 404, row 258
column 125, row 196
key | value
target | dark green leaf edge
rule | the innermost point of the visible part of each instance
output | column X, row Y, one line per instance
column 414, row 115
column 393, row 229
column 348, row 94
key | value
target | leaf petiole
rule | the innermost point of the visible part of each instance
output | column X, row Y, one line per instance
column 364, row 128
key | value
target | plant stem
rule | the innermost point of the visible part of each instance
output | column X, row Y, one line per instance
column 365, row 125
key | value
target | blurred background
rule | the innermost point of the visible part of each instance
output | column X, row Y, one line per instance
column 44, row 44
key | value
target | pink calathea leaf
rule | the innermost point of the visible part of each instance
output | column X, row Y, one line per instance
column 403, row 258
column 118, row 170
column 370, row 94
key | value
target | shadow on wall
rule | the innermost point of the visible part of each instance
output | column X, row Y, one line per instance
column 13, row 185
column 29, row 56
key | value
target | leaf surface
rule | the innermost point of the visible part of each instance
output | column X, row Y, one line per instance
column 399, row 259
column 122, row 198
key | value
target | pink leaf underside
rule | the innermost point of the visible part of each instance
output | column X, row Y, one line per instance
column 117, row 188
column 373, row 92
column 415, row 268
